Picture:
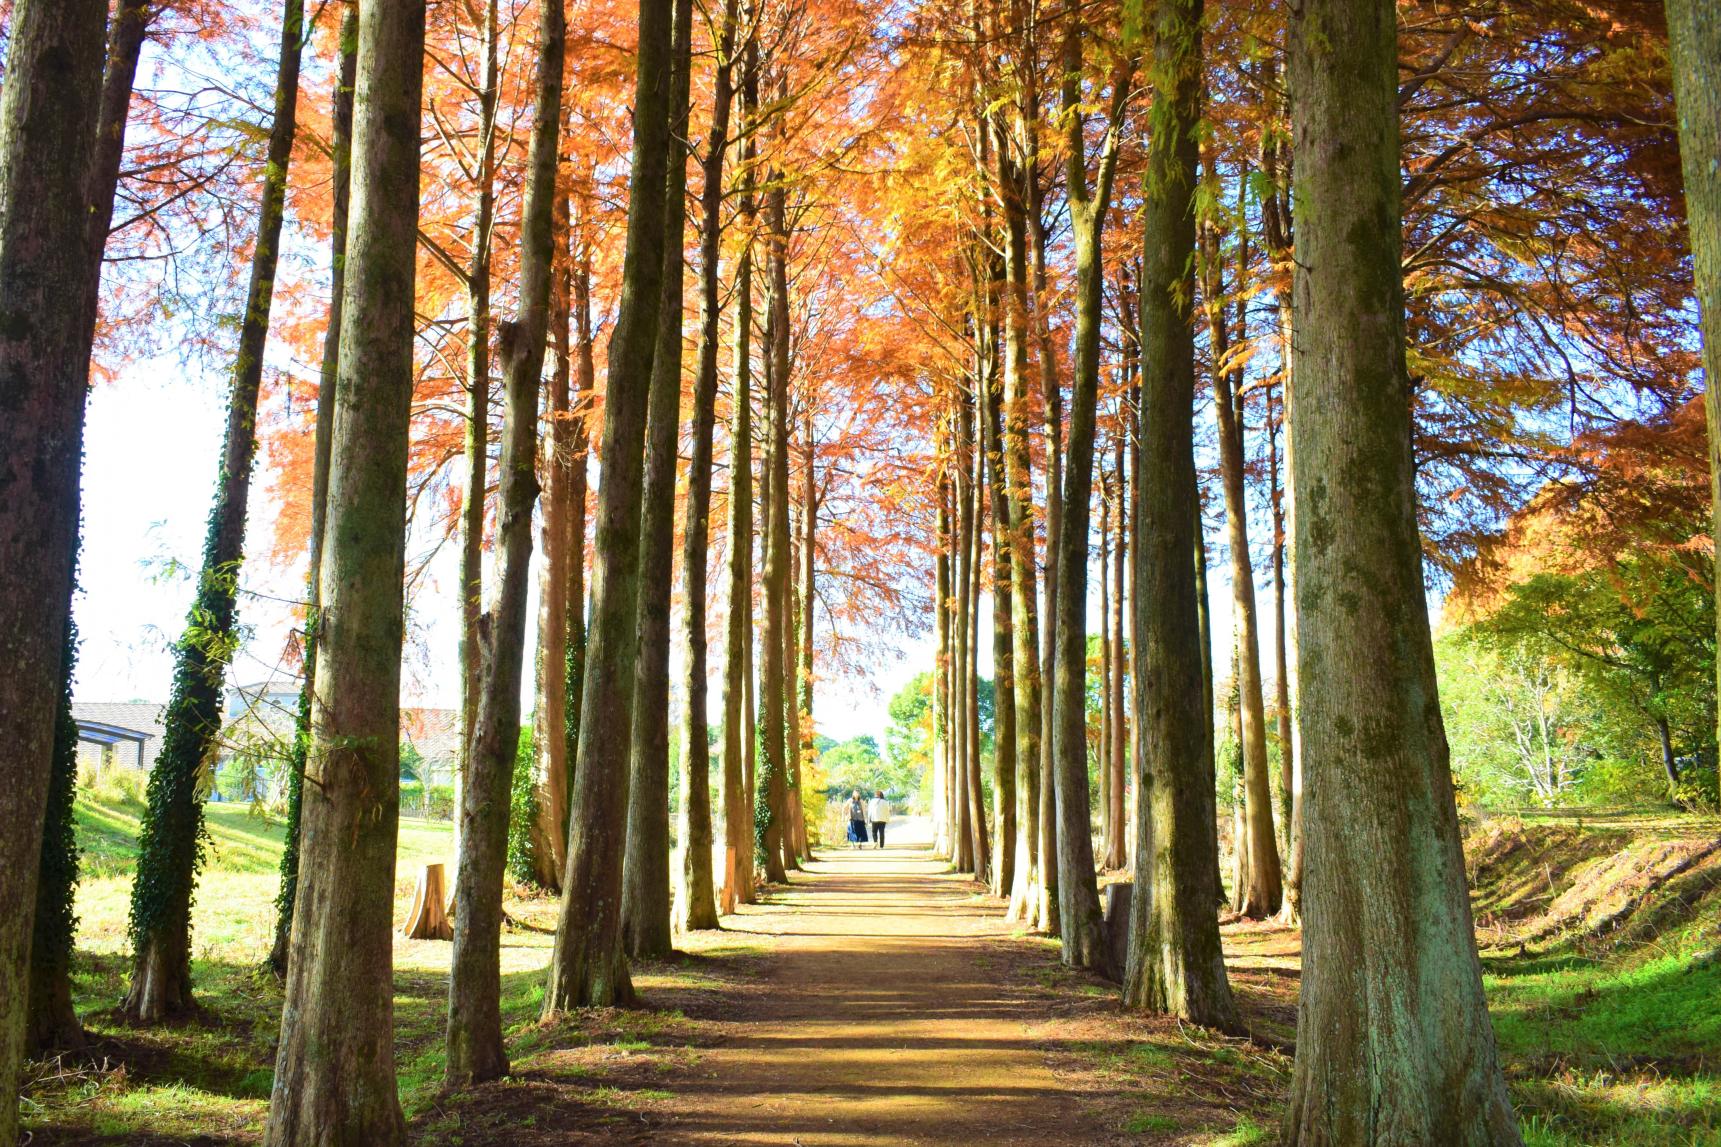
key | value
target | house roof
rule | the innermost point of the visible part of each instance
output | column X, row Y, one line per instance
column 135, row 716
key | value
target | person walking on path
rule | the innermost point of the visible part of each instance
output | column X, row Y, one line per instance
column 857, row 819
column 878, row 811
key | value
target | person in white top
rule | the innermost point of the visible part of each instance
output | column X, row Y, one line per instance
column 878, row 811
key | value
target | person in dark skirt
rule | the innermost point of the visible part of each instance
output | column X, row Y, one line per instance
column 857, row 819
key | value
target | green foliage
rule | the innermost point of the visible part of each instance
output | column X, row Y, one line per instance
column 1587, row 686
column 523, row 812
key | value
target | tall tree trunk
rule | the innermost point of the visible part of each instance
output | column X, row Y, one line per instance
column 340, row 156
column 587, row 967
column 1004, row 751
column 170, row 838
column 962, row 664
column 1375, row 1062
column 1694, row 50
column 477, row 405
column 1018, row 502
column 770, row 800
column 1081, row 925
column 1176, row 964
column 1046, row 910
column 475, row 1051
column 1259, row 894
column 334, row 1071
column 809, row 536
column 943, row 838
column 737, row 670
column 53, row 1021
column 972, row 788
column 1117, row 855
column 697, row 906
column 645, row 888
column 48, row 115
column 1208, row 764
column 1102, row 754
column 562, row 548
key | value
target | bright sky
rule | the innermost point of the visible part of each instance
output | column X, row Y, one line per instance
column 149, row 472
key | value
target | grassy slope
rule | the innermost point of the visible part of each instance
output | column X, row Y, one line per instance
column 1599, row 954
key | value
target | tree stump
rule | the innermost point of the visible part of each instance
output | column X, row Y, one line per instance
column 427, row 919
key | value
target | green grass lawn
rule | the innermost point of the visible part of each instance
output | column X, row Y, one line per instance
column 213, row 1076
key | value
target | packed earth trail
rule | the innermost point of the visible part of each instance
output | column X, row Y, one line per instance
column 884, row 1021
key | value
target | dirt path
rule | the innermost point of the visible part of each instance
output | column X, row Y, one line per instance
column 884, row 1019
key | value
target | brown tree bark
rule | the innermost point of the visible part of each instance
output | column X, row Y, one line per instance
column 477, row 402
column 962, row 663
column 645, row 881
column 334, row 1071
column 53, row 1020
column 1396, row 1048
column 1081, row 924
column 770, row 800
column 804, row 627
column 1004, row 750
column 943, row 837
column 1103, row 753
column 1175, row 961
column 341, row 154
column 972, row 790
column 1117, row 854
column 48, row 115
column 562, row 549
column 697, row 906
column 737, row 667
column 475, row 1052
column 587, row 967
column 1694, row 51
column 1258, row 895
column 1019, row 494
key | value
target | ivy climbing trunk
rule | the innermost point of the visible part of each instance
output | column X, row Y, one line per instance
column 472, row 497
column 645, row 887
column 1397, row 1047
column 1694, row 50
column 474, row 1042
column 170, row 840
column 340, row 156
column 697, row 906
column 587, row 967
column 334, row 1071
column 1175, row 961
column 52, row 1024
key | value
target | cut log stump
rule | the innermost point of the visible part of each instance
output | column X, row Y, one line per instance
column 428, row 918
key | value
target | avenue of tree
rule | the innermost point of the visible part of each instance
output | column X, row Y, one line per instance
column 765, row 332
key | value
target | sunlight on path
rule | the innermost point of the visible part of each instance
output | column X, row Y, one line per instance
column 883, row 1019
